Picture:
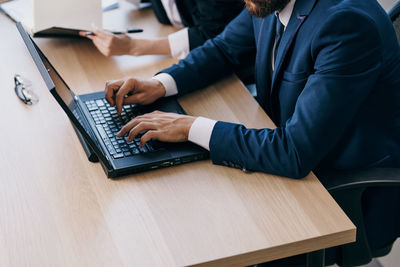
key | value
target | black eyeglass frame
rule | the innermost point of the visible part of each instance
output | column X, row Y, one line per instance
column 20, row 91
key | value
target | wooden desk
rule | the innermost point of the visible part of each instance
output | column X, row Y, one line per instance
column 58, row 209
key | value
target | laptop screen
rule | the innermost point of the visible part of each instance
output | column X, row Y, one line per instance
column 63, row 95
column 62, row 89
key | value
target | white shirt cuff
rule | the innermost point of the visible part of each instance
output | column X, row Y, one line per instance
column 168, row 82
column 179, row 43
column 200, row 132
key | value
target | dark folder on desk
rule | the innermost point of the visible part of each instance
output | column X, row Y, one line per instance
column 97, row 123
column 58, row 32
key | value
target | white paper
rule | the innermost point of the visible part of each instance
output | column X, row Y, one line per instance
column 38, row 15
column 73, row 14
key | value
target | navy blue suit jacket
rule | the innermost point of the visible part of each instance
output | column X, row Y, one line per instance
column 334, row 94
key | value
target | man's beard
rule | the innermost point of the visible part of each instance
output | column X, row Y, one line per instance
column 262, row 8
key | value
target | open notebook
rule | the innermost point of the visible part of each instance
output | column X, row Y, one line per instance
column 55, row 18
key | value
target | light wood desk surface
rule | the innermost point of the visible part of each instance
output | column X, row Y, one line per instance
column 58, row 209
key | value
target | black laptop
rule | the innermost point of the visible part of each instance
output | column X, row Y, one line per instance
column 97, row 122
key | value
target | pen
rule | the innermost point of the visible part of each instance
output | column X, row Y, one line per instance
column 130, row 30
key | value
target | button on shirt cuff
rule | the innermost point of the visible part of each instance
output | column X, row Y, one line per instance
column 179, row 43
column 168, row 82
column 200, row 132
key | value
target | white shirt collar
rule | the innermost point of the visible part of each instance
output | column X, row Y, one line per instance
column 286, row 13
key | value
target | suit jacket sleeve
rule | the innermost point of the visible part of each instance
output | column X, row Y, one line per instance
column 346, row 52
column 218, row 57
column 159, row 11
column 210, row 18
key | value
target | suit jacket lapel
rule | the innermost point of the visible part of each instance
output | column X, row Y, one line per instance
column 264, row 43
column 301, row 10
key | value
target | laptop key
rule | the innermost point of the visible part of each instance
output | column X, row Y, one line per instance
column 101, row 132
column 118, row 156
column 150, row 148
column 99, row 103
column 92, row 108
column 143, row 149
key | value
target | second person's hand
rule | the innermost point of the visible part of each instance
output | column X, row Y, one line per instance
column 110, row 44
column 133, row 91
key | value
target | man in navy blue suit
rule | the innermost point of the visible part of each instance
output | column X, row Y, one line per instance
column 327, row 73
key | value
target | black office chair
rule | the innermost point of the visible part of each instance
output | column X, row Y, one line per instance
column 357, row 192
column 371, row 195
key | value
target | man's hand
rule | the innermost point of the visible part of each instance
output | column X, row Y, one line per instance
column 133, row 91
column 110, row 44
column 166, row 127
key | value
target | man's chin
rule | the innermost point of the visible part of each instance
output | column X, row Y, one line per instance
column 258, row 13
column 257, row 9
column 263, row 8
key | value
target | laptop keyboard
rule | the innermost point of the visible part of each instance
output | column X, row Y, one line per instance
column 108, row 124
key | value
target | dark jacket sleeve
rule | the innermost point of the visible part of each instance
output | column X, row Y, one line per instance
column 233, row 48
column 210, row 17
column 347, row 58
column 159, row 11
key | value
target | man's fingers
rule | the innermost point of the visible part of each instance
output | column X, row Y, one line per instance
column 91, row 37
column 100, row 33
column 100, row 45
column 134, row 99
column 141, row 127
column 131, row 124
column 111, row 88
column 148, row 136
column 127, row 127
column 83, row 34
column 125, row 88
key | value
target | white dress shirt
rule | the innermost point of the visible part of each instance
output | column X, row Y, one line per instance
column 201, row 129
column 178, row 41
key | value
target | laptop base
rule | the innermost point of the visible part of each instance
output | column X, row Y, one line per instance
column 92, row 157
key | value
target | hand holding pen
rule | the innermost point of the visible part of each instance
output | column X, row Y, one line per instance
column 119, row 43
column 129, row 30
column 112, row 43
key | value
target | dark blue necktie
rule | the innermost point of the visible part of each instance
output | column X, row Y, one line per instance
column 279, row 28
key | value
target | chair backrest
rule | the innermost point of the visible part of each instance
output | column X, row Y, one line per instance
column 394, row 14
column 351, row 189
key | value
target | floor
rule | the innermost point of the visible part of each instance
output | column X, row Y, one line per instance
column 391, row 260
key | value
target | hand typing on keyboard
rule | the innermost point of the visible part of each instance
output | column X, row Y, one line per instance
column 166, row 127
column 133, row 91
